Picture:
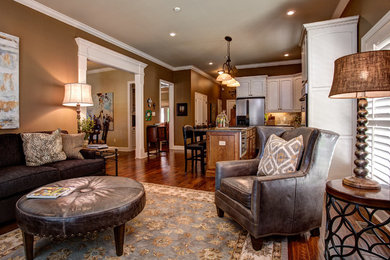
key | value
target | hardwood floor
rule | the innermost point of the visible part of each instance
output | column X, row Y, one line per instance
column 168, row 169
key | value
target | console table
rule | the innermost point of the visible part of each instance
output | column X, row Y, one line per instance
column 108, row 153
column 345, row 237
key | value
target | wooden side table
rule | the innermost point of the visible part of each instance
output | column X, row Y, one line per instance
column 108, row 154
column 344, row 238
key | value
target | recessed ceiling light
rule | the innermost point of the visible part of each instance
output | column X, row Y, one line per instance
column 176, row 9
column 286, row 55
column 211, row 63
column 172, row 34
column 220, row 72
column 291, row 12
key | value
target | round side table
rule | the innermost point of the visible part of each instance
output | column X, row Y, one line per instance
column 352, row 230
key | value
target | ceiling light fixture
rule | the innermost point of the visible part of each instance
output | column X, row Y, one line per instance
column 227, row 69
column 172, row 34
column 286, row 55
column 176, row 9
column 220, row 72
column 291, row 12
column 211, row 63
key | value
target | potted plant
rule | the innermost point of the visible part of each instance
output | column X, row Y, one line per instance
column 86, row 126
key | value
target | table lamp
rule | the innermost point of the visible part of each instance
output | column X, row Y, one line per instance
column 78, row 95
column 362, row 75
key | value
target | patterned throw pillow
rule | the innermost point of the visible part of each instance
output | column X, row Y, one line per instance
column 280, row 156
column 41, row 148
column 72, row 144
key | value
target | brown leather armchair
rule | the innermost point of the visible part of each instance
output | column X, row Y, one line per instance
column 285, row 204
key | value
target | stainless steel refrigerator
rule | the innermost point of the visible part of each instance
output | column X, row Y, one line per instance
column 250, row 111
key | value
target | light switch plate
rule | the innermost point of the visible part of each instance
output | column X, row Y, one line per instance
column 222, row 143
column 153, row 113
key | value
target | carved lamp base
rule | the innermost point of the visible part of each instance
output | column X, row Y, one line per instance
column 361, row 183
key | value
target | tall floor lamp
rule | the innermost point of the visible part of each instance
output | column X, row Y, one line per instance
column 77, row 95
column 362, row 75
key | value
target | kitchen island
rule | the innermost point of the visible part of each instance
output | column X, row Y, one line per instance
column 227, row 144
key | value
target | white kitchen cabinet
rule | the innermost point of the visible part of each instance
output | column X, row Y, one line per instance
column 281, row 94
column 272, row 98
column 323, row 43
column 286, row 94
column 297, row 85
column 243, row 89
column 254, row 86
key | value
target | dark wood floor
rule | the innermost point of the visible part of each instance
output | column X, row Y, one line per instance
column 168, row 169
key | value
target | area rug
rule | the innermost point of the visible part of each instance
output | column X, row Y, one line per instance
column 176, row 223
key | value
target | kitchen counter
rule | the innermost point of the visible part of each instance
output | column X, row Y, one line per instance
column 225, row 129
column 227, row 144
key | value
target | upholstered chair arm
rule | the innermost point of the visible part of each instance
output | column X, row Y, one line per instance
column 275, row 194
column 235, row 168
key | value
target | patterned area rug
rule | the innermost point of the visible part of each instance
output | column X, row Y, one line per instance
column 176, row 223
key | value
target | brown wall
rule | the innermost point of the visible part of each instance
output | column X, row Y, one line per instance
column 182, row 80
column 187, row 82
column 370, row 12
column 207, row 87
column 115, row 81
column 271, row 71
column 48, row 60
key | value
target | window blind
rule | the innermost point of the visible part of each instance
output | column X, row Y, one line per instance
column 379, row 139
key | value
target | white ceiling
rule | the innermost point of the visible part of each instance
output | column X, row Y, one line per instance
column 261, row 30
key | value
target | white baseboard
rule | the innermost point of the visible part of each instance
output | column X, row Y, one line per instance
column 177, row 147
column 121, row 149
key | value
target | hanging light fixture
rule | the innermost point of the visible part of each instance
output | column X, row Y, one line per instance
column 227, row 69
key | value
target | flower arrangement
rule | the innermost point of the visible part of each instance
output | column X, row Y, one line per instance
column 86, row 126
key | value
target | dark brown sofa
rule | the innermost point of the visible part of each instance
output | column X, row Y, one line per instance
column 17, row 179
column 284, row 204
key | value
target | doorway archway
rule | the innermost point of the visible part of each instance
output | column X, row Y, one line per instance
column 91, row 51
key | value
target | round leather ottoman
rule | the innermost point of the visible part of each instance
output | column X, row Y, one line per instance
column 97, row 203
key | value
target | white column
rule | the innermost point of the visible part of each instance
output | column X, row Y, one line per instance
column 139, row 116
column 82, row 62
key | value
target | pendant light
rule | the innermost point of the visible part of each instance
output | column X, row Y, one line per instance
column 226, row 77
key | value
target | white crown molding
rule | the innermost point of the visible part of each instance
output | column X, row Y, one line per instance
column 100, row 70
column 196, row 69
column 79, row 25
column 329, row 23
column 269, row 64
column 366, row 39
column 340, row 8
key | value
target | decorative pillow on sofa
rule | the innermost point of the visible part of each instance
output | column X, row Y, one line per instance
column 41, row 148
column 72, row 144
column 280, row 156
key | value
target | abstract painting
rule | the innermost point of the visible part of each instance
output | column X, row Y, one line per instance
column 9, row 81
column 103, row 110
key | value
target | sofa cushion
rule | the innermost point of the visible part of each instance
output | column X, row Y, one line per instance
column 72, row 144
column 11, row 152
column 41, row 148
column 22, row 179
column 78, row 168
column 238, row 188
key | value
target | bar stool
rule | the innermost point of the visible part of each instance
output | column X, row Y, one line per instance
column 194, row 147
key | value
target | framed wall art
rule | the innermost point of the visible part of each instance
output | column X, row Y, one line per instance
column 9, row 81
column 181, row 109
column 103, row 109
